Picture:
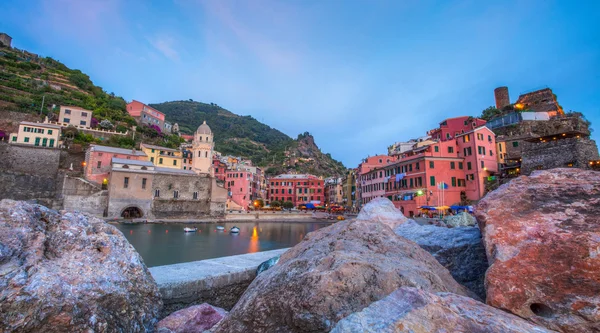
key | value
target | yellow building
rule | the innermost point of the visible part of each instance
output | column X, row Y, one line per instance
column 76, row 116
column 501, row 152
column 37, row 134
column 163, row 157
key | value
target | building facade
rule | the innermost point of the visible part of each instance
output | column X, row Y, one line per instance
column 452, row 127
column 37, row 134
column 145, row 114
column 349, row 190
column 364, row 167
column 163, row 157
column 202, row 149
column 76, row 116
column 333, row 191
column 98, row 161
column 299, row 189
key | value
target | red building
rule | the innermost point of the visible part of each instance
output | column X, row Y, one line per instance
column 220, row 168
column 439, row 174
column 145, row 114
column 364, row 179
column 239, row 185
column 299, row 189
column 452, row 127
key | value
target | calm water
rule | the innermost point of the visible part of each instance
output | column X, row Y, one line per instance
column 165, row 244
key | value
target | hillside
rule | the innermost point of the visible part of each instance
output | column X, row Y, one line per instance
column 247, row 137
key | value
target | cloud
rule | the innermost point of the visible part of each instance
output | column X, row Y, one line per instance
column 164, row 44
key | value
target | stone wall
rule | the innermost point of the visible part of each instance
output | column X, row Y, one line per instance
column 558, row 154
column 83, row 196
column 184, row 205
column 29, row 173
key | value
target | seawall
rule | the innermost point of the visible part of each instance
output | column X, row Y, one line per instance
column 219, row 281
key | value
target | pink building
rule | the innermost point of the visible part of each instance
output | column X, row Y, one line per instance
column 453, row 127
column 366, row 184
column 98, row 159
column 299, row 189
column 145, row 114
column 240, row 186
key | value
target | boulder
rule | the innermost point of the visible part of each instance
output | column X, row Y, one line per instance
column 412, row 310
column 197, row 318
column 69, row 272
column 267, row 264
column 463, row 219
column 333, row 272
column 382, row 210
column 460, row 250
column 542, row 238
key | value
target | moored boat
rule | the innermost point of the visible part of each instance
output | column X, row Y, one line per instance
column 220, row 227
column 186, row 229
column 234, row 230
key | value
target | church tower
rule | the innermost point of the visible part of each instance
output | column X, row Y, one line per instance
column 202, row 147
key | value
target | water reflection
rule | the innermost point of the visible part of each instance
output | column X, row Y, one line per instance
column 158, row 246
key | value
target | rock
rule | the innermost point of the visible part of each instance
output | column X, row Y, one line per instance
column 69, row 272
column 542, row 238
column 460, row 250
column 197, row 318
column 382, row 210
column 267, row 264
column 460, row 220
column 333, row 272
column 412, row 310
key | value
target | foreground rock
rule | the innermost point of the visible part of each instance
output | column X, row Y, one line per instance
column 67, row 272
column 197, row 318
column 460, row 250
column 382, row 210
column 542, row 238
column 332, row 273
column 462, row 219
column 411, row 310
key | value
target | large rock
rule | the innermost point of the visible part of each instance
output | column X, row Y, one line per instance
column 382, row 210
column 462, row 219
column 197, row 318
column 460, row 250
column 542, row 239
column 411, row 310
column 67, row 272
column 332, row 273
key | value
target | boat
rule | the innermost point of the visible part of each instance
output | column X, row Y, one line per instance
column 220, row 227
column 186, row 229
column 234, row 230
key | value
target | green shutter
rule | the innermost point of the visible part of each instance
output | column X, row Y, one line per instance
column 453, row 181
column 432, row 180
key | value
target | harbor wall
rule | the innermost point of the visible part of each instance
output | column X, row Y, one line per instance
column 219, row 281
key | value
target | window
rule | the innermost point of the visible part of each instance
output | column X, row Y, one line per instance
column 175, row 162
column 26, row 139
column 491, row 153
column 489, row 138
column 175, row 194
column 195, row 195
column 450, row 150
column 467, row 138
column 515, row 143
column 460, row 165
column 468, row 165
column 84, row 114
column 44, row 142
column 448, row 137
column 436, row 149
column 431, row 164
column 410, row 167
column 157, row 193
column 126, row 182
column 82, row 122
column 67, row 111
column 500, row 147
column 49, row 132
column 411, row 182
column 479, row 136
column 160, row 161
column 453, row 181
column 482, row 165
column 417, row 166
column 143, row 183
column 99, row 165
column 37, row 141
column 152, row 159
column 205, row 154
column 467, row 151
column 66, row 120
column 432, row 180
column 14, row 139
column 452, row 165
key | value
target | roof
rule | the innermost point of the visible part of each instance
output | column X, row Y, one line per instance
column 203, row 129
column 40, row 124
column 292, row 176
column 174, row 171
column 115, row 150
column 474, row 130
column 75, row 107
column 131, row 162
column 159, row 147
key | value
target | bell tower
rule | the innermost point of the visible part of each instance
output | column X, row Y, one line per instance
column 202, row 148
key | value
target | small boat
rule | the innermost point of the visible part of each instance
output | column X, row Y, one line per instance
column 186, row 229
column 220, row 227
column 234, row 230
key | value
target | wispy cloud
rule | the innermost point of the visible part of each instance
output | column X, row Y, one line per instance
column 165, row 45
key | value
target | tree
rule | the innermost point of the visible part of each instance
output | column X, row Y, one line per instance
column 288, row 205
column 260, row 203
column 489, row 113
column 275, row 203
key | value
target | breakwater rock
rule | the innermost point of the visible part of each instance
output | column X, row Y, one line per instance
column 68, row 272
column 194, row 319
column 382, row 210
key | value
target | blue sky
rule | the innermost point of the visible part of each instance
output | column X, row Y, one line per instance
column 358, row 75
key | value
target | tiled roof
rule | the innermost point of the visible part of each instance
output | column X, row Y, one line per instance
column 174, row 171
column 40, row 124
column 131, row 162
column 159, row 147
column 115, row 150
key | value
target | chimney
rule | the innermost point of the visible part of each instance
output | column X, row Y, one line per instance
column 501, row 96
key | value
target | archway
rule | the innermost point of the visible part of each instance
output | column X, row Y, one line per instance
column 132, row 213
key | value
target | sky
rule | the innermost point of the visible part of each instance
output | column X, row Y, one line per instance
column 358, row 75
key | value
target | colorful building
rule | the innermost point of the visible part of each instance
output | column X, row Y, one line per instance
column 452, row 127
column 202, row 149
column 37, row 134
column 145, row 114
column 219, row 168
column 76, row 116
column 333, row 190
column 349, row 190
column 163, row 157
column 299, row 189
column 364, row 167
column 98, row 161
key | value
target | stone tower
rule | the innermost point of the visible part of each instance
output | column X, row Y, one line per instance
column 502, row 98
column 202, row 147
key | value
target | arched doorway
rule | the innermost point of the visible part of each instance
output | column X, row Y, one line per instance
column 132, row 213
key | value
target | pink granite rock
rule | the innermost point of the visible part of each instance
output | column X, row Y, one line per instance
column 197, row 318
column 382, row 210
